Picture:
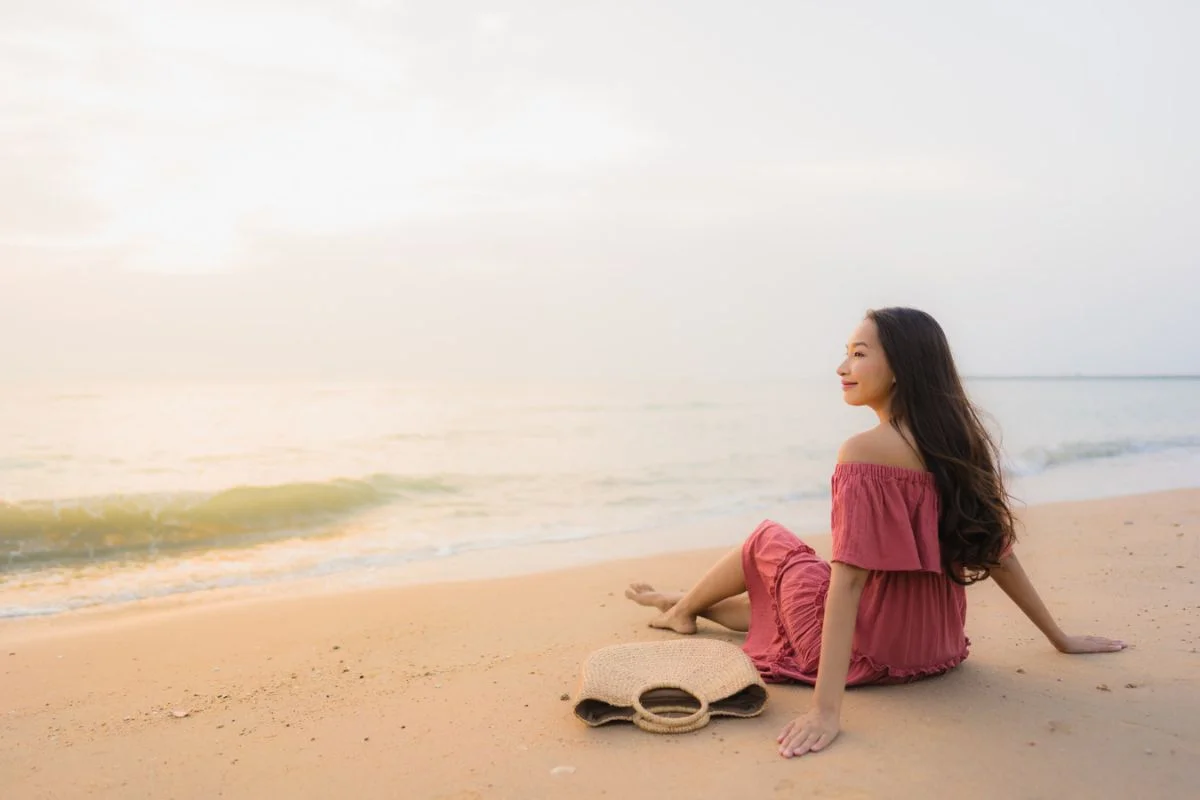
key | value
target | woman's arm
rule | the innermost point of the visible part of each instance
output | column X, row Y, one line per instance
column 816, row 729
column 1011, row 577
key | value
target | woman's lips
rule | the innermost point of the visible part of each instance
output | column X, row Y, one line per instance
column 848, row 386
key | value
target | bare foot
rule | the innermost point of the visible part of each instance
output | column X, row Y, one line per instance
column 644, row 595
column 671, row 621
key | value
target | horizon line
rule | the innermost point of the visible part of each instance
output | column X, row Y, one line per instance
column 1084, row 377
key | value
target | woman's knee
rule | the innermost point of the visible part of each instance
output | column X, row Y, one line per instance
column 772, row 531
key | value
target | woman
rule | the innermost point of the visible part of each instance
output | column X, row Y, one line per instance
column 919, row 512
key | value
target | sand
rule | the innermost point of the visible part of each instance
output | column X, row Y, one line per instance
column 455, row 690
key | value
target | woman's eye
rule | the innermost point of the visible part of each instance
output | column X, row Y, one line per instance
column 859, row 355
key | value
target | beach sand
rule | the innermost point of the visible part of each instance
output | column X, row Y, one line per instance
column 455, row 690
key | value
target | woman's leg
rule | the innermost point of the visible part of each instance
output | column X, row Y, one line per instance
column 714, row 597
column 733, row 613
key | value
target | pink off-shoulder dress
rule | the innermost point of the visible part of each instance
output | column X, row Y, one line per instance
column 911, row 615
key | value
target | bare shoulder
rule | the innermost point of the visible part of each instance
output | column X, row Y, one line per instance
column 882, row 445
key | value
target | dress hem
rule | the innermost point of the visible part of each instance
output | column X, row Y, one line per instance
column 883, row 674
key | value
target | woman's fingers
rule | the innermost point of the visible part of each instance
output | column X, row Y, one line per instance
column 800, row 744
column 822, row 742
column 792, row 741
column 809, row 741
column 1103, row 643
column 809, row 733
column 798, row 747
column 1093, row 644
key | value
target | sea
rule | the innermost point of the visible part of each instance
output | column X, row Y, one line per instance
column 111, row 494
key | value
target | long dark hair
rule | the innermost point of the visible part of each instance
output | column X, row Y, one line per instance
column 976, row 523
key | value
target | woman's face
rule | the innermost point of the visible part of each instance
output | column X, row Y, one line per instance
column 867, row 380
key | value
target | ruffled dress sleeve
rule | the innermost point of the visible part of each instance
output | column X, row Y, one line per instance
column 885, row 518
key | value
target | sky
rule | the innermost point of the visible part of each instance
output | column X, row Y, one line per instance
column 689, row 189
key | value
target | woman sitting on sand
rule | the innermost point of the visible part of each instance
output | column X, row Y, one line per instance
column 919, row 512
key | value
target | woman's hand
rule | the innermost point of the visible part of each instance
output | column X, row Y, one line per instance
column 819, row 727
column 812, row 732
column 1089, row 644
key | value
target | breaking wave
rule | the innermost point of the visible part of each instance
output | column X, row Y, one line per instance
column 1039, row 459
column 37, row 533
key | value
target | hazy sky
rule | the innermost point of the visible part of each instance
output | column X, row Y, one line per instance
column 608, row 189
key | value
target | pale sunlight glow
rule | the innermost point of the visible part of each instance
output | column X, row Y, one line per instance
column 536, row 187
column 198, row 162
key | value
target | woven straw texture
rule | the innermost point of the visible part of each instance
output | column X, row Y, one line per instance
column 673, row 686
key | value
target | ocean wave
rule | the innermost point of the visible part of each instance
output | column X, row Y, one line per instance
column 1039, row 459
column 38, row 533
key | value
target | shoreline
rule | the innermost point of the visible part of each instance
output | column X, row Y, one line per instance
column 452, row 688
column 489, row 563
